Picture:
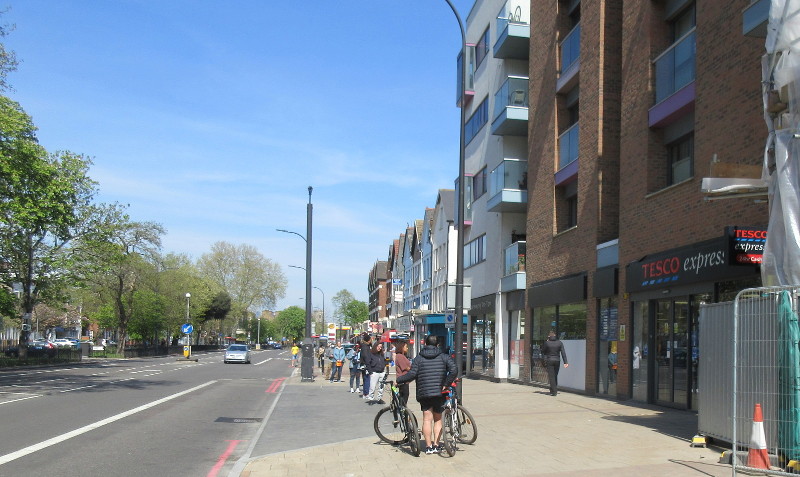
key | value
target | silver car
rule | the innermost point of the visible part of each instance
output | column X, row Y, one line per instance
column 237, row 353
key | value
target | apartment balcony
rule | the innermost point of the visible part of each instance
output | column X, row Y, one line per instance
column 570, row 50
column 567, row 155
column 513, row 267
column 508, row 187
column 511, row 108
column 675, row 75
column 513, row 32
column 465, row 85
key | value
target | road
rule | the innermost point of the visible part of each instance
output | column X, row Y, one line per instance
column 145, row 417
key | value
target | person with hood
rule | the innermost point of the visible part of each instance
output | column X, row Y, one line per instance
column 552, row 353
column 376, row 367
column 337, row 362
column 434, row 371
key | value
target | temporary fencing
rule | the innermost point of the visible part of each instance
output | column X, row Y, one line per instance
column 766, row 377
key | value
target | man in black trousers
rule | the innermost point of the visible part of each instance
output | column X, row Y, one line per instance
column 552, row 352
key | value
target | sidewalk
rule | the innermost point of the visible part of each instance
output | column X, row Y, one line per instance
column 522, row 430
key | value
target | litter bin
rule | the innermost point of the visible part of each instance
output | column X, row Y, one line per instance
column 86, row 349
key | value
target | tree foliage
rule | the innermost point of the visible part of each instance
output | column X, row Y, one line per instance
column 291, row 323
column 349, row 311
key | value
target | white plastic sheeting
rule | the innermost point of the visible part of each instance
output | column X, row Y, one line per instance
column 781, row 172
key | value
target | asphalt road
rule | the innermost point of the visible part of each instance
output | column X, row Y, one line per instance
column 146, row 417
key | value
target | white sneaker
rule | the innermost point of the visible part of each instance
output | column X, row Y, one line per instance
column 352, row 390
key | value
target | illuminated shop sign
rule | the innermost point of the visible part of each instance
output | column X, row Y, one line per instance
column 697, row 263
column 746, row 244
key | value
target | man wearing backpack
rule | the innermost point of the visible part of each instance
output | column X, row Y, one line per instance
column 433, row 371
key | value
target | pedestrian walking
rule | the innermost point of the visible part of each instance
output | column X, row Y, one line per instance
column 552, row 353
column 295, row 352
column 402, row 365
column 376, row 367
column 337, row 362
column 355, row 370
column 434, row 371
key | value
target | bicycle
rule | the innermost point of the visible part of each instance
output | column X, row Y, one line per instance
column 458, row 425
column 396, row 424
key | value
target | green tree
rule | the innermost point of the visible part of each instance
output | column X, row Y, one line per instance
column 147, row 318
column 340, row 301
column 291, row 323
column 355, row 313
column 250, row 279
column 8, row 59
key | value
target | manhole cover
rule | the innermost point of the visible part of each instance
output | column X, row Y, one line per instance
column 239, row 420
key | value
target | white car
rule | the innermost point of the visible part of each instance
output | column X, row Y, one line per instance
column 64, row 343
column 237, row 353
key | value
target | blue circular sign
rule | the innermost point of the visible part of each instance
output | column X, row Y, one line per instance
column 187, row 328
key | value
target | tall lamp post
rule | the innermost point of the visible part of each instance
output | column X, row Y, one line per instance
column 459, row 308
column 188, row 336
column 323, row 304
column 307, row 365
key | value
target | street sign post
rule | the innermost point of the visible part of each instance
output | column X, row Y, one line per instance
column 187, row 330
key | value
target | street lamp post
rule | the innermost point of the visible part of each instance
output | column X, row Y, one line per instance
column 458, row 343
column 307, row 365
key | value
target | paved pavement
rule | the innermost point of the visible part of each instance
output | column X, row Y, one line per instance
column 522, row 430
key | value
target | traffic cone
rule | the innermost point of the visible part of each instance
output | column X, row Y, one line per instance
column 757, row 457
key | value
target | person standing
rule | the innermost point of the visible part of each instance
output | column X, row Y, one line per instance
column 366, row 350
column 321, row 358
column 552, row 353
column 355, row 371
column 295, row 352
column 433, row 371
column 337, row 362
column 402, row 365
column 376, row 366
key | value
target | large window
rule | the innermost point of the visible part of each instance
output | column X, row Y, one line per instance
column 476, row 121
column 482, row 48
column 681, row 159
column 482, row 352
column 479, row 184
column 475, row 252
column 567, row 206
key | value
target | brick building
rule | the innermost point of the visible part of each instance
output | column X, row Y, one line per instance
column 630, row 103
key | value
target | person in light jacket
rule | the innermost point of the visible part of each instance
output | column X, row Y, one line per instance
column 355, row 372
column 337, row 362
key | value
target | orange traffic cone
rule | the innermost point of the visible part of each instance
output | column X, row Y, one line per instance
column 757, row 456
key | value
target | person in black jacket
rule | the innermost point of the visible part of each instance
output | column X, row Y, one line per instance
column 433, row 371
column 376, row 367
column 551, row 349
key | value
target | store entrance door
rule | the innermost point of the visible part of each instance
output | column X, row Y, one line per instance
column 672, row 352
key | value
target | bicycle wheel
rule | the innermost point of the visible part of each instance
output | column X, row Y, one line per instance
column 412, row 433
column 467, row 429
column 448, row 431
column 388, row 428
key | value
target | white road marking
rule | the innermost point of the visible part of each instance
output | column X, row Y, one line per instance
column 69, row 435
column 21, row 399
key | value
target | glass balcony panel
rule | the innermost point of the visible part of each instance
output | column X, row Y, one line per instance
column 568, row 146
column 570, row 48
column 675, row 68
column 514, row 258
column 511, row 13
column 514, row 93
column 508, row 175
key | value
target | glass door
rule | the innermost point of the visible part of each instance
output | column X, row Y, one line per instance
column 672, row 348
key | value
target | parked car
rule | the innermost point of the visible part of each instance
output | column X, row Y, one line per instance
column 277, row 345
column 64, row 343
column 36, row 348
column 237, row 353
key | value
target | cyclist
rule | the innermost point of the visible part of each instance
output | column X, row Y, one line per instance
column 434, row 371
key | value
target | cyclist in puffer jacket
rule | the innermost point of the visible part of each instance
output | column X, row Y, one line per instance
column 433, row 371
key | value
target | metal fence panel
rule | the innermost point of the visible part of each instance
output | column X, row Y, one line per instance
column 760, row 364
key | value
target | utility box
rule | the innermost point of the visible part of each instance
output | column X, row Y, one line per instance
column 307, row 361
column 86, row 349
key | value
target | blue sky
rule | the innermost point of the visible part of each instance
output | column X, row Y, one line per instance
column 213, row 118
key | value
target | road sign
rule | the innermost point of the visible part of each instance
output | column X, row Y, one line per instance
column 187, row 328
column 450, row 318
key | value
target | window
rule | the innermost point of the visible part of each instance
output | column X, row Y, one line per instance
column 683, row 23
column 567, row 206
column 479, row 184
column 482, row 48
column 475, row 252
column 680, row 159
column 572, row 211
column 476, row 121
